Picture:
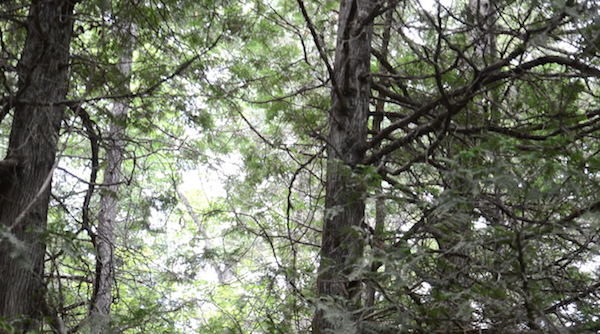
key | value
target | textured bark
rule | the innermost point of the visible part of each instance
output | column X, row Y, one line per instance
column 484, row 13
column 380, row 206
column 33, row 139
column 107, row 215
column 341, row 245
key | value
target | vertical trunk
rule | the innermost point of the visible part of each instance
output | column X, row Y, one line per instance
column 484, row 13
column 341, row 246
column 42, row 70
column 380, row 207
column 107, row 215
column 485, row 44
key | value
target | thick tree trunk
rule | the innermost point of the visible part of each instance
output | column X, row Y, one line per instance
column 33, row 141
column 107, row 215
column 342, row 246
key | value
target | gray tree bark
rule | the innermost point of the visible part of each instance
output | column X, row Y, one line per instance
column 485, row 45
column 342, row 243
column 33, row 144
column 107, row 215
column 380, row 205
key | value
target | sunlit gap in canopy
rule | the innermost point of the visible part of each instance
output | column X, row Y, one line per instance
column 430, row 6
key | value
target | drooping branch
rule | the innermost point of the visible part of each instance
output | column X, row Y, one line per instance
column 322, row 54
column 94, row 137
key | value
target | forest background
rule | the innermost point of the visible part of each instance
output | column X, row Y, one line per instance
column 353, row 166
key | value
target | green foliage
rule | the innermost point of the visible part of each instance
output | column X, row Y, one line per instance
column 490, row 210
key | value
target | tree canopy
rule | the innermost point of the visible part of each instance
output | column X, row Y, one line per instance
column 351, row 166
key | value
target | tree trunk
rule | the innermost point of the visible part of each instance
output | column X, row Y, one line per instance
column 380, row 205
column 33, row 142
column 107, row 216
column 342, row 243
column 484, row 19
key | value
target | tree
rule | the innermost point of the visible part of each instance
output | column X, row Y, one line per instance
column 439, row 174
column 341, row 246
column 95, row 84
column 460, row 146
column 38, row 111
column 105, row 239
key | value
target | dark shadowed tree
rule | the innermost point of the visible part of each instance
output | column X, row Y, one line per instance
column 482, row 128
column 341, row 247
column 37, row 114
